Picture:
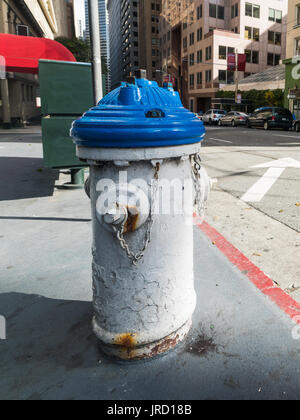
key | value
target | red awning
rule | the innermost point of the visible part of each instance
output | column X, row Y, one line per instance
column 22, row 53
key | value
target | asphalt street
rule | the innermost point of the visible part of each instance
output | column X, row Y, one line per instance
column 241, row 346
column 230, row 153
column 265, row 230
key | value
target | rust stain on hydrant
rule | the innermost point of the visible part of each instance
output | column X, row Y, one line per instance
column 127, row 343
column 127, row 340
column 132, row 220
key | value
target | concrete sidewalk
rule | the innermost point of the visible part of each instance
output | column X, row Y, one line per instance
column 241, row 345
column 33, row 129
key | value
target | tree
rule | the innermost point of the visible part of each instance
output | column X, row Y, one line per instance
column 258, row 98
column 274, row 97
column 81, row 51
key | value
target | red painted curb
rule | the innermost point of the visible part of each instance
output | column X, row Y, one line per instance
column 254, row 274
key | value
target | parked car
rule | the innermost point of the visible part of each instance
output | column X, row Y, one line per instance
column 234, row 118
column 212, row 116
column 271, row 117
column 199, row 115
column 296, row 126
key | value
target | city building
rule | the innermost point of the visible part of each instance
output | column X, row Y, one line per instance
column 292, row 64
column 293, row 29
column 197, row 36
column 37, row 18
column 104, row 35
column 134, row 38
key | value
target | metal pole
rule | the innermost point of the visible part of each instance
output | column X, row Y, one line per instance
column 5, row 103
column 96, row 49
column 236, row 75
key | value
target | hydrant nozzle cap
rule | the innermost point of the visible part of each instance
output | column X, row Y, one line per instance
column 115, row 216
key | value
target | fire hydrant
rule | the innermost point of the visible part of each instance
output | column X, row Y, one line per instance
column 143, row 148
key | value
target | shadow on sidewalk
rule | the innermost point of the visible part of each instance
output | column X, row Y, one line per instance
column 44, row 337
column 25, row 178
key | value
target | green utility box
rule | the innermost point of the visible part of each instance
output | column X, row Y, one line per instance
column 66, row 93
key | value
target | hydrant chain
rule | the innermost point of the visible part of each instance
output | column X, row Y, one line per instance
column 135, row 258
column 196, row 168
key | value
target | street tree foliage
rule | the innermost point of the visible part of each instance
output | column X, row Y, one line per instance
column 259, row 98
column 81, row 51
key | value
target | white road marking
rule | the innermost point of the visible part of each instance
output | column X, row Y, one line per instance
column 280, row 163
column 223, row 141
column 287, row 144
column 260, row 189
column 257, row 192
column 290, row 137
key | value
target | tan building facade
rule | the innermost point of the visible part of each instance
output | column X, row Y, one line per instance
column 197, row 36
column 293, row 29
column 37, row 18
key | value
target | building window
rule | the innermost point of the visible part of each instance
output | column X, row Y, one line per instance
column 192, row 38
column 252, row 10
column 275, row 15
column 274, row 38
column 273, row 59
column 199, row 78
column 192, row 59
column 199, row 34
column 224, row 51
column 212, row 10
column 191, row 18
column 192, row 81
column 208, row 75
column 199, row 56
column 208, row 53
column 252, row 56
column 222, row 76
column 251, row 33
column 216, row 11
column 226, row 77
column 199, row 12
column 221, row 12
column 234, row 11
column 297, row 46
column 184, row 24
column 298, row 15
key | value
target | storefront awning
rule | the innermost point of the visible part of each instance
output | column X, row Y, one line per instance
column 22, row 54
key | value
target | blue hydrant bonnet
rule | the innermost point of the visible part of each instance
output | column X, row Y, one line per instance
column 138, row 115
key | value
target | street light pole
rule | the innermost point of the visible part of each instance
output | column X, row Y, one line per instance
column 236, row 74
column 96, row 49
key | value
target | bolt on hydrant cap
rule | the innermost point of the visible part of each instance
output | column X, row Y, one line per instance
column 138, row 115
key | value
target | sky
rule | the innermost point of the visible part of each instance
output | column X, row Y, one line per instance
column 79, row 10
